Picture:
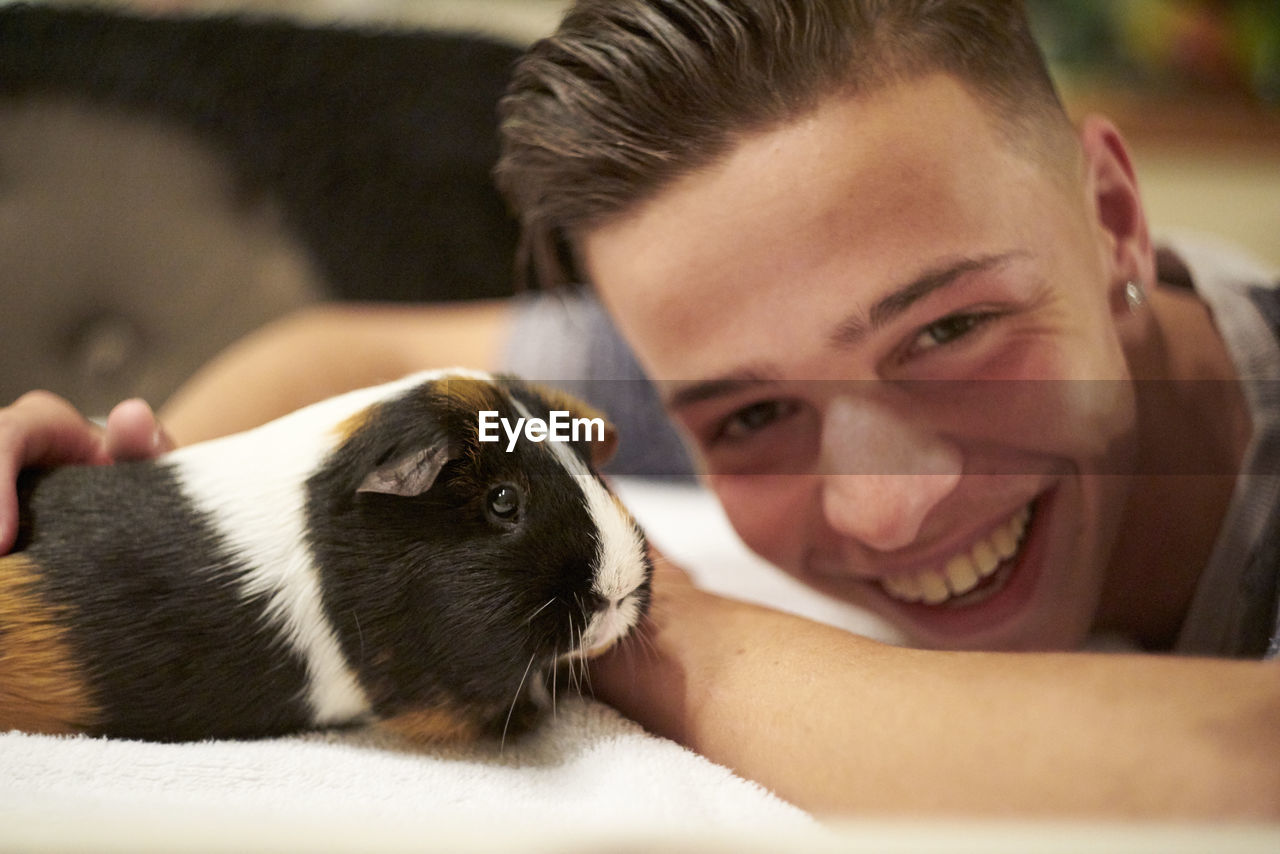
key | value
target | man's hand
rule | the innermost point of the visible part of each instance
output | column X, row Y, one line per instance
column 42, row 429
column 640, row 676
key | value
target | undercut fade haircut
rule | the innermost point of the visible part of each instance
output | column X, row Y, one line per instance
column 629, row 95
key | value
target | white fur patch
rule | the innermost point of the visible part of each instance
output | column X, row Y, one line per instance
column 620, row 561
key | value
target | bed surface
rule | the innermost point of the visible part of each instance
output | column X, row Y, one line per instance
column 589, row 780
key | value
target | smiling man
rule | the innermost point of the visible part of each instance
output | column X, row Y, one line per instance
column 916, row 333
column 903, row 351
column 912, row 324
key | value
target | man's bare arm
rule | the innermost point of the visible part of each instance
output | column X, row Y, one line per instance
column 325, row 350
column 839, row 724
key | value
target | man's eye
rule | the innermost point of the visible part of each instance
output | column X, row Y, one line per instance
column 753, row 418
column 949, row 329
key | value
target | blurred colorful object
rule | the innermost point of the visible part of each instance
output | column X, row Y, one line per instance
column 1170, row 46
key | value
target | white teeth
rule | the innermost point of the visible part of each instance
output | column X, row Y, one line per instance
column 963, row 572
column 935, row 588
column 1005, row 542
column 962, row 575
column 985, row 557
column 906, row 588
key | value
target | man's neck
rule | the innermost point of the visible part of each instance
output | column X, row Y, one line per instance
column 1193, row 430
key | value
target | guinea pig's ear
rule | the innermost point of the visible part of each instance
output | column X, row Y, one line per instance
column 603, row 450
column 600, row 450
column 408, row 475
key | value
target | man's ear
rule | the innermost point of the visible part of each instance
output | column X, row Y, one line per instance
column 1111, row 188
column 408, row 475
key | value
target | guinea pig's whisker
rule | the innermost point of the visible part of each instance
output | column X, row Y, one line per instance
column 514, row 700
column 657, row 607
column 555, row 677
column 585, row 667
column 359, row 633
column 645, row 637
column 573, row 646
column 576, row 664
column 541, row 608
column 640, row 638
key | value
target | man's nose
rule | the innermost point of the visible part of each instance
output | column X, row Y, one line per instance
column 882, row 473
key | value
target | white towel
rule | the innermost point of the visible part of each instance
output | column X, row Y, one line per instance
column 589, row 771
column 587, row 774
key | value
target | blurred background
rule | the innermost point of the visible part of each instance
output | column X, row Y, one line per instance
column 1195, row 86
column 1161, row 49
column 165, row 189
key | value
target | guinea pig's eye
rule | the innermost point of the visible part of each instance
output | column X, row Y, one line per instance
column 504, row 501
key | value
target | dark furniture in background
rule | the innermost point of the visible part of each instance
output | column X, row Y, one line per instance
column 169, row 184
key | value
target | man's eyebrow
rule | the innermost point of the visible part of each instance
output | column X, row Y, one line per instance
column 676, row 396
column 853, row 328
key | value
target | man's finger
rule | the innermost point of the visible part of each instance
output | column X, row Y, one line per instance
column 134, row 433
column 40, row 429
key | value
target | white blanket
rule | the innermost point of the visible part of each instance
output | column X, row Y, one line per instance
column 588, row 781
column 587, row 774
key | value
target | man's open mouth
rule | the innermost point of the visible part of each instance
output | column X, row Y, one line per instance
column 970, row 576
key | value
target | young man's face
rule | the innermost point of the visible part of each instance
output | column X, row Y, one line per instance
column 891, row 340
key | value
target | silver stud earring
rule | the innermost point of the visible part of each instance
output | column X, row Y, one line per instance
column 1134, row 296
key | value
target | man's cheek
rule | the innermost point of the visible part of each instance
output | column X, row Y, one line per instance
column 771, row 513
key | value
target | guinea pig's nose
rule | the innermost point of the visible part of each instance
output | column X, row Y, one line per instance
column 593, row 602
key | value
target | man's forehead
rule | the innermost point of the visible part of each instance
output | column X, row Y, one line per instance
column 834, row 210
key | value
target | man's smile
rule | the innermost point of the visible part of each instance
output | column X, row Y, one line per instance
column 958, row 579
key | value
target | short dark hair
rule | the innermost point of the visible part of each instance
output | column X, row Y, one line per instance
column 629, row 95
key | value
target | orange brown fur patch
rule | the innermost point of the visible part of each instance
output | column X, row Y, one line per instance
column 601, row 452
column 467, row 397
column 352, row 424
column 41, row 688
column 432, row 726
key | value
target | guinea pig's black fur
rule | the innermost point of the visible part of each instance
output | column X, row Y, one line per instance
column 367, row 558
column 137, row 583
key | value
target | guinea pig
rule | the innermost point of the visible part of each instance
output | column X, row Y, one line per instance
column 375, row 557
